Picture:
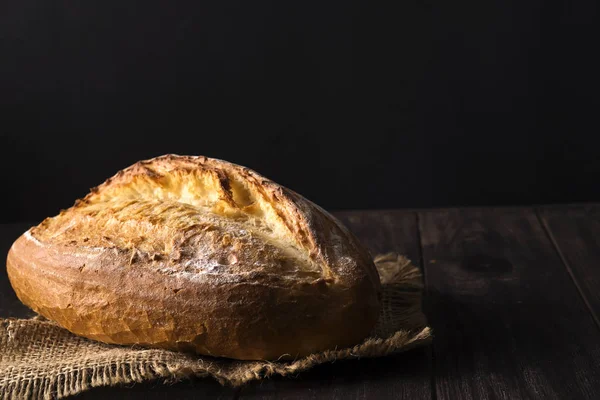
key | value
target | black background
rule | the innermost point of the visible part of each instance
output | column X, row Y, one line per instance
column 357, row 104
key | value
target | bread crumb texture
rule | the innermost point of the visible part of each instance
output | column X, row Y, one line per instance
column 198, row 254
column 192, row 213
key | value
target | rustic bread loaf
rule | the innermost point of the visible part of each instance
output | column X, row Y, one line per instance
column 198, row 254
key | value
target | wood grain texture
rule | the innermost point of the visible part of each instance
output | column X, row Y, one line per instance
column 508, row 321
column 575, row 230
column 186, row 390
column 404, row 376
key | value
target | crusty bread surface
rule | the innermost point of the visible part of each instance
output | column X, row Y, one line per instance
column 198, row 254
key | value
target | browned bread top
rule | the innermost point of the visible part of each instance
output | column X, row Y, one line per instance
column 199, row 254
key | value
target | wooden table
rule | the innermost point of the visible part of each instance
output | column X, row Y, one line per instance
column 513, row 296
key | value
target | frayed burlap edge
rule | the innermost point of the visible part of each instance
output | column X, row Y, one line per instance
column 38, row 359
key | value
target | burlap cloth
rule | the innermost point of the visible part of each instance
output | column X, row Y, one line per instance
column 38, row 359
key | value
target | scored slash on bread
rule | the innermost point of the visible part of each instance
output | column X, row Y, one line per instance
column 198, row 254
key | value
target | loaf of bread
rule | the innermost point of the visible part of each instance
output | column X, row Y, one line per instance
column 198, row 254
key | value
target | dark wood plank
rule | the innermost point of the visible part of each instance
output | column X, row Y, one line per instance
column 188, row 389
column 385, row 231
column 10, row 306
column 575, row 230
column 508, row 320
column 405, row 375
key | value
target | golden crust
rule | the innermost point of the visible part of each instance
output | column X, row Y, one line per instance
column 199, row 254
